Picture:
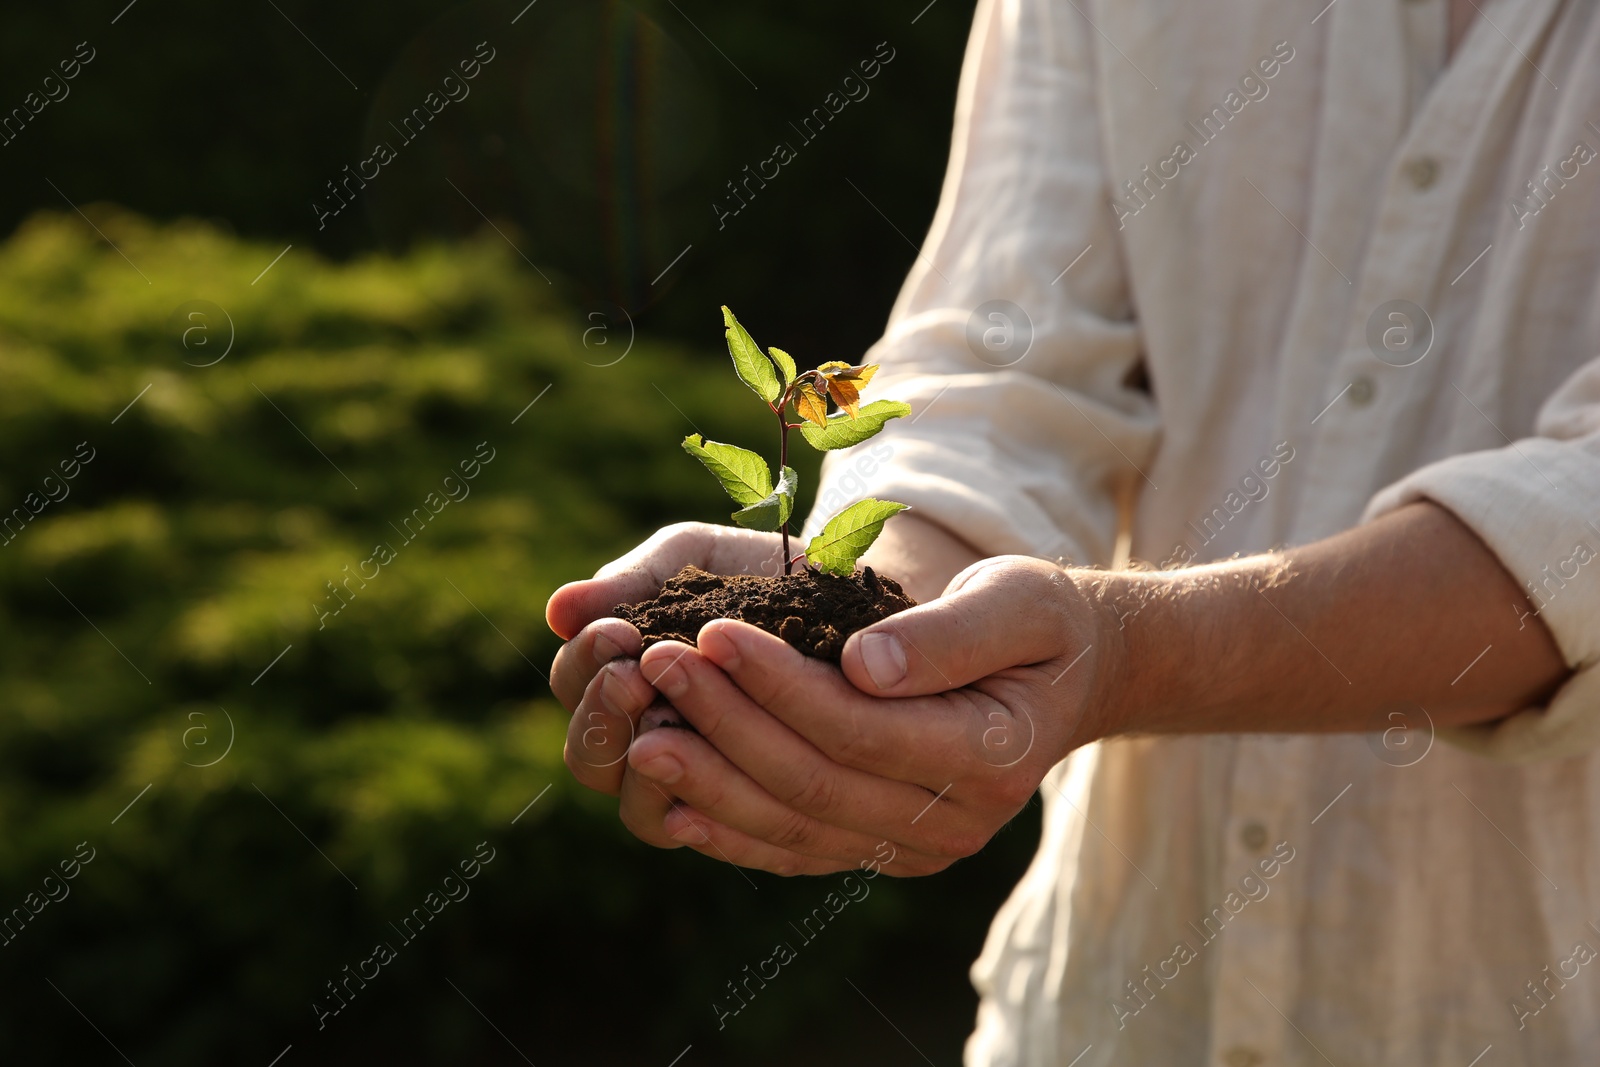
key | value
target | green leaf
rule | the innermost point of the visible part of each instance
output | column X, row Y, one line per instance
column 773, row 512
column 751, row 363
column 785, row 364
column 743, row 474
column 842, row 431
column 850, row 533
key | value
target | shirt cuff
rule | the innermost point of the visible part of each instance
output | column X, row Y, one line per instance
column 984, row 456
column 1531, row 505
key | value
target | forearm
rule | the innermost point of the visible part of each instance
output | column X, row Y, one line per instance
column 1409, row 610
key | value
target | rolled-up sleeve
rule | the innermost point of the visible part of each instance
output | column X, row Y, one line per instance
column 1536, row 505
column 1014, row 337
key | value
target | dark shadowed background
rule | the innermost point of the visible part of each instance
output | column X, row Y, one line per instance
column 241, row 346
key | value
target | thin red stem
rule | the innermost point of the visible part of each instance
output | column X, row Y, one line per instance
column 783, row 461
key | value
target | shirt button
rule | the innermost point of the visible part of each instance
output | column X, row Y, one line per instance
column 1239, row 1056
column 1362, row 390
column 1253, row 836
column 1423, row 171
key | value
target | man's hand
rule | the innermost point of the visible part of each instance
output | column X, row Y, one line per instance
column 797, row 769
column 596, row 673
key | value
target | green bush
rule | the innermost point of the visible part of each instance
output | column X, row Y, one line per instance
column 600, row 137
column 174, row 605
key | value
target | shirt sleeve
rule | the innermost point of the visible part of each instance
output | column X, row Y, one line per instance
column 1013, row 338
column 1536, row 503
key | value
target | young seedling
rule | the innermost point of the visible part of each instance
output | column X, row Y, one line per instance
column 799, row 401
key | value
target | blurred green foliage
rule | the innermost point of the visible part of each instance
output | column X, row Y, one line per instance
column 162, row 616
column 599, row 138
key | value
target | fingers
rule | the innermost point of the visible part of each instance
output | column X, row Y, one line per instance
column 605, row 723
column 628, row 580
column 920, row 740
column 686, row 766
column 794, row 776
column 710, row 838
column 640, row 574
column 1000, row 613
column 581, row 658
column 655, row 817
column 643, row 809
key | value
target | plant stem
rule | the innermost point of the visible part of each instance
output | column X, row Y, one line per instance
column 783, row 461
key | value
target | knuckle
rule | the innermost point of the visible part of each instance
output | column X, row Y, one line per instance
column 857, row 748
column 795, row 832
column 775, row 690
column 817, row 791
column 710, row 716
column 711, row 724
column 678, row 531
column 675, row 539
column 706, row 792
column 771, row 689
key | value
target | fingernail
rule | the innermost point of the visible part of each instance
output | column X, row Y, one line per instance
column 614, row 695
column 884, row 659
column 672, row 682
column 719, row 648
column 663, row 768
column 605, row 649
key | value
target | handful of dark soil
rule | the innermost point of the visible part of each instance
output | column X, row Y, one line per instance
column 812, row 610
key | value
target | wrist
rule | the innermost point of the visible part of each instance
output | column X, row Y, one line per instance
column 1097, row 633
column 1150, row 670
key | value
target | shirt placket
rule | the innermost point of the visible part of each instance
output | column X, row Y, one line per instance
column 1399, row 275
column 1400, row 281
column 1257, row 976
column 1255, row 947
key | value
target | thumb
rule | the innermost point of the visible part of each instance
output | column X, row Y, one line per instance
column 628, row 580
column 1003, row 612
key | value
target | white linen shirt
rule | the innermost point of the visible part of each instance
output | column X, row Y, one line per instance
column 1425, row 900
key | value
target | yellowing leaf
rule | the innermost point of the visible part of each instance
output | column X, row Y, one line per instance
column 845, row 394
column 809, row 403
column 845, row 382
column 840, row 371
